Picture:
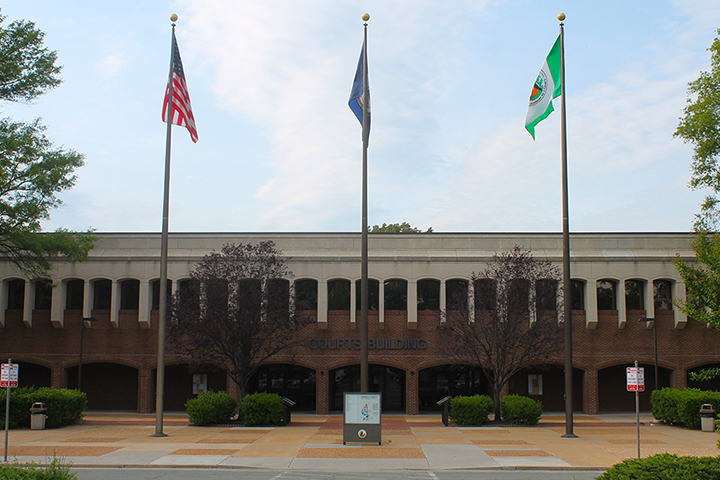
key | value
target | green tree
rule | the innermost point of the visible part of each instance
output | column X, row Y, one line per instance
column 32, row 171
column 397, row 228
column 700, row 126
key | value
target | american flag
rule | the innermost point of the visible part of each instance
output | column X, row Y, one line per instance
column 181, row 109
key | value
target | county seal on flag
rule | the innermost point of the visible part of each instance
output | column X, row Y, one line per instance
column 547, row 86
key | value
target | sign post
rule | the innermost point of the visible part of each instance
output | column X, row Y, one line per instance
column 8, row 379
column 636, row 383
column 362, row 418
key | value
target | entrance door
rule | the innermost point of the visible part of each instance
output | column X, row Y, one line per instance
column 387, row 380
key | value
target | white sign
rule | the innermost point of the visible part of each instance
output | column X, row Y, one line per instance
column 362, row 409
column 9, row 375
column 635, row 379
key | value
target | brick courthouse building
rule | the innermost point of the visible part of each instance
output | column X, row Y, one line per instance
column 617, row 279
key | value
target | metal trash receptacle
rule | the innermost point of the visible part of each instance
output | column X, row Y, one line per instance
column 38, row 414
column 707, row 418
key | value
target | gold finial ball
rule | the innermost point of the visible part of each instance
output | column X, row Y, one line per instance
column 561, row 17
column 365, row 17
column 173, row 18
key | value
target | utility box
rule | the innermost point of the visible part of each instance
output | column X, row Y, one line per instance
column 38, row 414
column 707, row 418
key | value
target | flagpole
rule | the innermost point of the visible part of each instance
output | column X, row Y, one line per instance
column 567, row 306
column 162, row 307
column 364, row 366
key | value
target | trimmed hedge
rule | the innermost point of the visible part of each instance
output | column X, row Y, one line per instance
column 520, row 410
column 471, row 410
column 64, row 406
column 665, row 467
column 682, row 406
column 262, row 409
column 211, row 407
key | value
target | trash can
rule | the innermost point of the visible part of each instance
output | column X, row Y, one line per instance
column 707, row 418
column 38, row 414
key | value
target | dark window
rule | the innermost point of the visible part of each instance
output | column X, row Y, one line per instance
column 189, row 294
column 156, row 293
column 278, row 298
column 546, row 295
column 130, row 295
column 519, row 295
column 16, row 295
column 249, row 295
column 43, row 295
column 606, row 295
column 74, row 295
column 339, row 295
column 577, row 295
column 662, row 295
column 306, row 294
column 373, row 294
column 102, row 293
column 428, row 295
column 395, row 295
column 634, row 295
column 485, row 294
column 457, row 294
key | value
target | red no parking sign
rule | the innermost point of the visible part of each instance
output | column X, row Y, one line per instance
column 635, row 379
column 9, row 375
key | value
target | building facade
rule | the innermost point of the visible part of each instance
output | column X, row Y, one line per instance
column 618, row 279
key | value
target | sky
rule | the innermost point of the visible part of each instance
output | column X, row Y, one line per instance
column 280, row 151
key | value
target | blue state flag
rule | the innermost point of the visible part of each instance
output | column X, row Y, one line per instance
column 356, row 94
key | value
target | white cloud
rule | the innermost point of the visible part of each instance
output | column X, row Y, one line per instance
column 111, row 66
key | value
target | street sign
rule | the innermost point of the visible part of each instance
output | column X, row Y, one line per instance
column 635, row 379
column 9, row 375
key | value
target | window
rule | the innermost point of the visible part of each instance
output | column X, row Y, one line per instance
column 485, row 294
column 249, row 295
column 428, row 295
column 102, row 294
column 130, row 295
column 577, row 295
column 74, row 295
column 306, row 294
column 662, row 295
column 43, row 294
column 278, row 298
column 546, row 295
column 519, row 295
column 373, row 294
column 156, row 292
column 339, row 295
column 16, row 294
column 606, row 295
column 634, row 294
column 457, row 294
column 395, row 295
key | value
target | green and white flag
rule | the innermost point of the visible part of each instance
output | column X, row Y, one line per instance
column 548, row 82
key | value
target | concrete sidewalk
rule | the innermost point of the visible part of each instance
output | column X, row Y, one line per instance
column 315, row 442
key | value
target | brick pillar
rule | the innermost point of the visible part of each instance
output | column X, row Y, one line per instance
column 322, row 392
column 411, row 393
column 59, row 378
column 232, row 388
column 679, row 378
column 591, row 403
column 146, row 390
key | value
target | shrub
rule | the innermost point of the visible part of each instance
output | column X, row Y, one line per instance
column 262, row 409
column 211, row 407
column 64, row 406
column 665, row 467
column 689, row 406
column 520, row 410
column 665, row 404
column 56, row 470
column 471, row 410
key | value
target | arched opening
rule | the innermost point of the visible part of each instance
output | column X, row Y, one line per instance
column 612, row 388
column 711, row 384
column 387, row 380
column 108, row 386
column 33, row 375
column 182, row 384
column 294, row 382
column 438, row 382
column 546, row 384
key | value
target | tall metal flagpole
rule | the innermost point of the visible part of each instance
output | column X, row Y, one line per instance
column 364, row 366
column 162, row 307
column 567, row 306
